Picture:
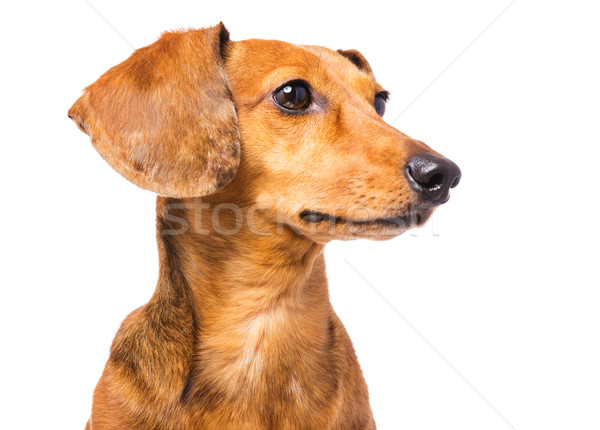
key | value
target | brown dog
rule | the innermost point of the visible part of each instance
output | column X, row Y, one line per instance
column 287, row 148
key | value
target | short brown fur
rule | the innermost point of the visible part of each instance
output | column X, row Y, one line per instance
column 240, row 333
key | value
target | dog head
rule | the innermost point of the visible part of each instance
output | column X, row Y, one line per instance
column 297, row 131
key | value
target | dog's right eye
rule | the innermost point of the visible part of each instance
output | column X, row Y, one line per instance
column 380, row 101
column 293, row 96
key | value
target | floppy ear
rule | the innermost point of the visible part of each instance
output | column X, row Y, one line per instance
column 356, row 58
column 164, row 118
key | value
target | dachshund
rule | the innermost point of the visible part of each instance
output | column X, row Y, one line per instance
column 260, row 152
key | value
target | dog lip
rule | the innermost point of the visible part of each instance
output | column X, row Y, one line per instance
column 398, row 221
column 315, row 217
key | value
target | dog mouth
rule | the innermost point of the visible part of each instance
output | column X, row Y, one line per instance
column 396, row 222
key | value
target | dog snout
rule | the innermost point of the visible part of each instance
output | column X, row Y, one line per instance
column 432, row 176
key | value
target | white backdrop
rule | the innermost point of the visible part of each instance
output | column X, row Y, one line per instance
column 486, row 318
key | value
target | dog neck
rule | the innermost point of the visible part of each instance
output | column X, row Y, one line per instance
column 259, row 301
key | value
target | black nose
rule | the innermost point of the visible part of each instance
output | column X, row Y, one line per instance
column 432, row 176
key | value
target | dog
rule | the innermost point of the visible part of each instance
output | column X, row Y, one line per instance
column 260, row 152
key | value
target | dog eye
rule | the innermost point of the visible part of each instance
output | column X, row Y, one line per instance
column 380, row 99
column 293, row 95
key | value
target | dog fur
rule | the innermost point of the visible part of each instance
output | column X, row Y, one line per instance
column 240, row 333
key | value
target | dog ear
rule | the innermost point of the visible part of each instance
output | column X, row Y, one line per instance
column 356, row 58
column 164, row 118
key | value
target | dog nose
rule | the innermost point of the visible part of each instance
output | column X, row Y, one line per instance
column 432, row 176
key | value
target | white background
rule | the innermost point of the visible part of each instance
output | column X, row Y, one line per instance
column 497, row 301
